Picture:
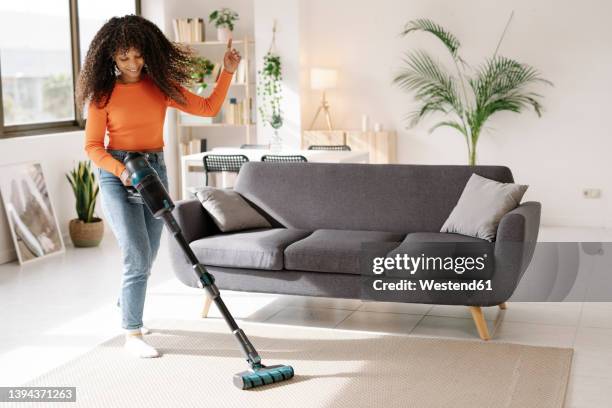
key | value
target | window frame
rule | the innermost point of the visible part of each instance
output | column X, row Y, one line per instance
column 78, row 123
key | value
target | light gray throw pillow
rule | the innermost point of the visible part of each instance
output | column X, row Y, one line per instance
column 229, row 210
column 481, row 207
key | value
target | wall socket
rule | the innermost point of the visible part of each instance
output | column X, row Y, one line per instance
column 591, row 193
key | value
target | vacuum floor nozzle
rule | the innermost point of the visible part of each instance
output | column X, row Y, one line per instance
column 262, row 376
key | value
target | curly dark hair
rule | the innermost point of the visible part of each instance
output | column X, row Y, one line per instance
column 167, row 64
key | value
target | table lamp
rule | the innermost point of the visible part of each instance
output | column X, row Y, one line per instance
column 323, row 79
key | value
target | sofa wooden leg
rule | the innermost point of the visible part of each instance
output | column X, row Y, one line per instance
column 206, row 308
column 481, row 323
column 503, row 306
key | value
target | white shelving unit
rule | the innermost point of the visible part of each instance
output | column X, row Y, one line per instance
column 214, row 50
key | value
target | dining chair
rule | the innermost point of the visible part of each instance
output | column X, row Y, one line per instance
column 219, row 163
column 293, row 158
column 345, row 148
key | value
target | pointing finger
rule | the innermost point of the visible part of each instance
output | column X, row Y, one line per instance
column 229, row 44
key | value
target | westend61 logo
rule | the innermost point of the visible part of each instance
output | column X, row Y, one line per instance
column 414, row 264
column 411, row 264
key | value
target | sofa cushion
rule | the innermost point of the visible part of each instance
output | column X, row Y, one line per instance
column 436, row 248
column 256, row 249
column 229, row 210
column 481, row 207
column 337, row 251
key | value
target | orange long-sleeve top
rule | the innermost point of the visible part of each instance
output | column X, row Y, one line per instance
column 134, row 118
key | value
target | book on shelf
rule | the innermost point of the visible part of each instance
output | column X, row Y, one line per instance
column 240, row 76
column 235, row 112
column 243, row 71
column 249, row 108
column 198, row 27
column 184, row 146
column 189, row 29
column 229, row 114
column 193, row 146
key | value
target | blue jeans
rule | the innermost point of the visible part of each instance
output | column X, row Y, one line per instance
column 138, row 234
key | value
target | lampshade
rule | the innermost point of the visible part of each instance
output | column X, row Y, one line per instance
column 323, row 78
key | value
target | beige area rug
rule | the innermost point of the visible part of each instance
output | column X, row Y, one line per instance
column 334, row 368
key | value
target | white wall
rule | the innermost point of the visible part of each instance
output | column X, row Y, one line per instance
column 558, row 155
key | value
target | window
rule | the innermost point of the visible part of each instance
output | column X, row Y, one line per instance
column 39, row 62
column 36, row 69
column 94, row 13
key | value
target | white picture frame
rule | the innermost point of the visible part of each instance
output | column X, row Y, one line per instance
column 30, row 213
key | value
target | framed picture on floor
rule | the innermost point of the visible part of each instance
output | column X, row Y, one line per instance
column 31, row 216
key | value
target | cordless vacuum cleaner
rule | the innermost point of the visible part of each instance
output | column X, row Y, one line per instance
column 148, row 190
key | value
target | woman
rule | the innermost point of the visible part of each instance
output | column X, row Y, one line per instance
column 131, row 74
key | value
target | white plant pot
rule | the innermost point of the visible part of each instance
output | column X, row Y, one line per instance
column 223, row 34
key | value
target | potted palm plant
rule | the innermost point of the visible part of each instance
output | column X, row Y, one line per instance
column 467, row 98
column 224, row 20
column 86, row 230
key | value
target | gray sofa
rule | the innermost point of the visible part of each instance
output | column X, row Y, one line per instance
column 322, row 214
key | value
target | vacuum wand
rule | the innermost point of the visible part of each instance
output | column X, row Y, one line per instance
column 149, row 190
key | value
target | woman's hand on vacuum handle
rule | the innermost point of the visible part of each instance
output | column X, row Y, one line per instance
column 231, row 59
column 125, row 178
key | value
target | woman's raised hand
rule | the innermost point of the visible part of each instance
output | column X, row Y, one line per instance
column 231, row 59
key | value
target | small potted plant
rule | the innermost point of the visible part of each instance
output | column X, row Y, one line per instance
column 86, row 230
column 224, row 20
column 201, row 69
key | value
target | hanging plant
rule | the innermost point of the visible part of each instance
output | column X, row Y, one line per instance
column 269, row 89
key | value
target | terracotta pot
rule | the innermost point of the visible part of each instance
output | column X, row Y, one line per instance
column 86, row 234
column 223, row 34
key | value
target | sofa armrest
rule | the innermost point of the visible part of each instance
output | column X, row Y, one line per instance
column 193, row 219
column 515, row 244
column 521, row 224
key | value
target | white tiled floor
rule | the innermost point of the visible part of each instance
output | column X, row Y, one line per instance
column 55, row 310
